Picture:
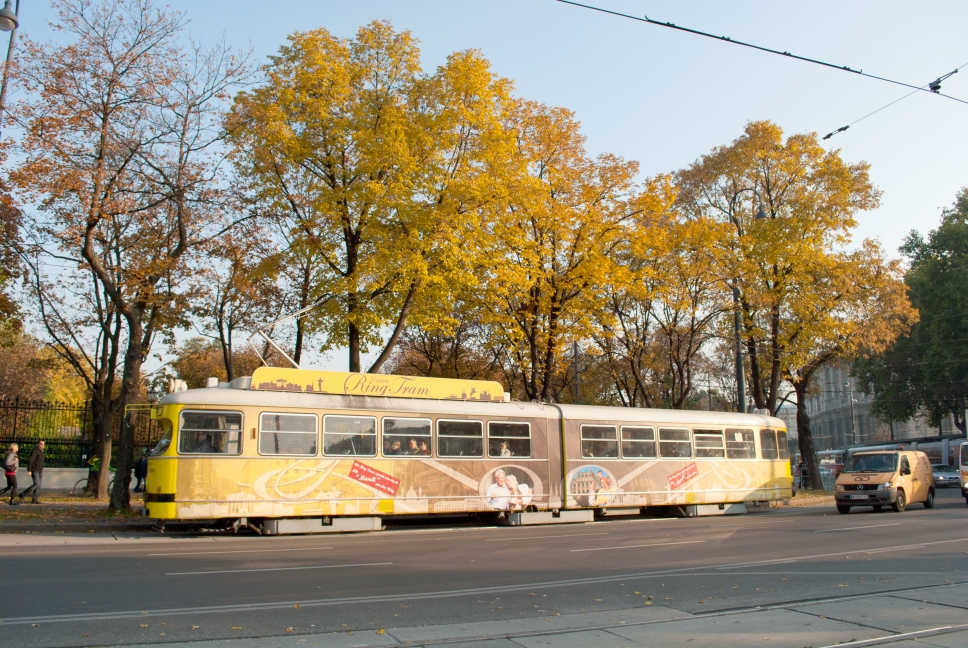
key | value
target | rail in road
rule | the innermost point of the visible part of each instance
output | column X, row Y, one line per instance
column 667, row 577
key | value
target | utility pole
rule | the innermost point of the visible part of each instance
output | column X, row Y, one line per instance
column 853, row 422
column 740, row 370
column 576, row 381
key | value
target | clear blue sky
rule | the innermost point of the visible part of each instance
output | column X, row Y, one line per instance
column 663, row 97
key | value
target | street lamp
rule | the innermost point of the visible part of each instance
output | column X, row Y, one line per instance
column 153, row 395
column 8, row 17
column 9, row 21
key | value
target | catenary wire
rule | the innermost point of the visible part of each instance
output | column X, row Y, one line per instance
column 843, row 128
column 726, row 39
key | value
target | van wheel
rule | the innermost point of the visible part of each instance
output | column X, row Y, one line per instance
column 843, row 508
column 929, row 503
column 900, row 504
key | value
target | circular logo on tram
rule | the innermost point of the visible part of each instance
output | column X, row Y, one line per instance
column 591, row 486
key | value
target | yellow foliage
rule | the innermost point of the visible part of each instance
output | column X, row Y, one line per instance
column 546, row 249
column 373, row 168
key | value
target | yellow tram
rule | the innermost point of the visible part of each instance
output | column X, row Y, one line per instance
column 297, row 450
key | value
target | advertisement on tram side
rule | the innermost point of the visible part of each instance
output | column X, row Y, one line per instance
column 261, row 487
column 665, row 483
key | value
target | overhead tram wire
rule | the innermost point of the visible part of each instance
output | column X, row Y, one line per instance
column 727, row 39
column 931, row 86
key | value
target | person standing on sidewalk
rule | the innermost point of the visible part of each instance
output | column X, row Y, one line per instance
column 35, row 468
column 141, row 472
column 10, row 463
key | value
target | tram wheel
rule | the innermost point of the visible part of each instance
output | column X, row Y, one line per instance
column 843, row 508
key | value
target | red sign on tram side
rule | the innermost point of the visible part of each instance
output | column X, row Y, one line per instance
column 681, row 476
column 374, row 478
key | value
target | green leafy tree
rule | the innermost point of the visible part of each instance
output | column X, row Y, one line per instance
column 927, row 370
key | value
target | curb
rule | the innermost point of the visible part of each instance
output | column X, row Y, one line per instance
column 807, row 501
column 75, row 526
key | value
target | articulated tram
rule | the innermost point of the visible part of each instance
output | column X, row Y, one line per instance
column 294, row 449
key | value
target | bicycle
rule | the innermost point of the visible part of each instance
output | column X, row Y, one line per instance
column 80, row 488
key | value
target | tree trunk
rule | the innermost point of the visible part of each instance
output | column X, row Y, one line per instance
column 130, row 389
column 805, row 438
column 101, row 419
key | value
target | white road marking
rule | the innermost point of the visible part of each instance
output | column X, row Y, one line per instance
column 570, row 535
column 869, row 526
column 658, row 544
column 272, row 569
column 219, row 553
column 903, row 636
column 847, row 552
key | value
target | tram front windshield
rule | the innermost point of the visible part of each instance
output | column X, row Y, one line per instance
column 964, row 455
column 876, row 463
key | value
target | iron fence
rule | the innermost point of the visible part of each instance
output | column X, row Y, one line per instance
column 66, row 428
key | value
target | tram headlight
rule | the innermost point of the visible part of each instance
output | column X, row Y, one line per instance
column 885, row 486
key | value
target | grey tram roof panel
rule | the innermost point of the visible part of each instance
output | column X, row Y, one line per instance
column 231, row 396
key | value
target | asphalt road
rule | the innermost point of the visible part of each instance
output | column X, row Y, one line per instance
column 69, row 591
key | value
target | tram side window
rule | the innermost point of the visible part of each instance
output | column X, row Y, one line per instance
column 210, row 433
column 768, row 444
column 638, row 442
column 460, row 438
column 740, row 444
column 709, row 444
column 287, row 434
column 674, row 443
column 782, row 445
column 407, row 437
column 353, row 436
column 599, row 441
column 506, row 439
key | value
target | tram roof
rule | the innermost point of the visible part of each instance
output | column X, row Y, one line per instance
column 226, row 396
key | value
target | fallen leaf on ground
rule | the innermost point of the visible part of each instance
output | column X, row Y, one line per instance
column 381, row 631
column 290, row 629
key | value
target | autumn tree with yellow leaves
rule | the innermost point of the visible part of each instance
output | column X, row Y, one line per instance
column 373, row 168
column 791, row 206
column 663, row 316
column 546, row 248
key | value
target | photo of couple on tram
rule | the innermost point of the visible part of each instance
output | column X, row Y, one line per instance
column 507, row 492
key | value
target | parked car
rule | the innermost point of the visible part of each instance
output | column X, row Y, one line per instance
column 945, row 476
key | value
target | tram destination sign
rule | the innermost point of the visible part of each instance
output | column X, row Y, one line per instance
column 307, row 381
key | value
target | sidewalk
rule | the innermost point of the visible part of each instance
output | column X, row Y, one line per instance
column 915, row 619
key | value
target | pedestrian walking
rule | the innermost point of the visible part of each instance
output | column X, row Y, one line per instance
column 141, row 472
column 35, row 468
column 10, row 463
